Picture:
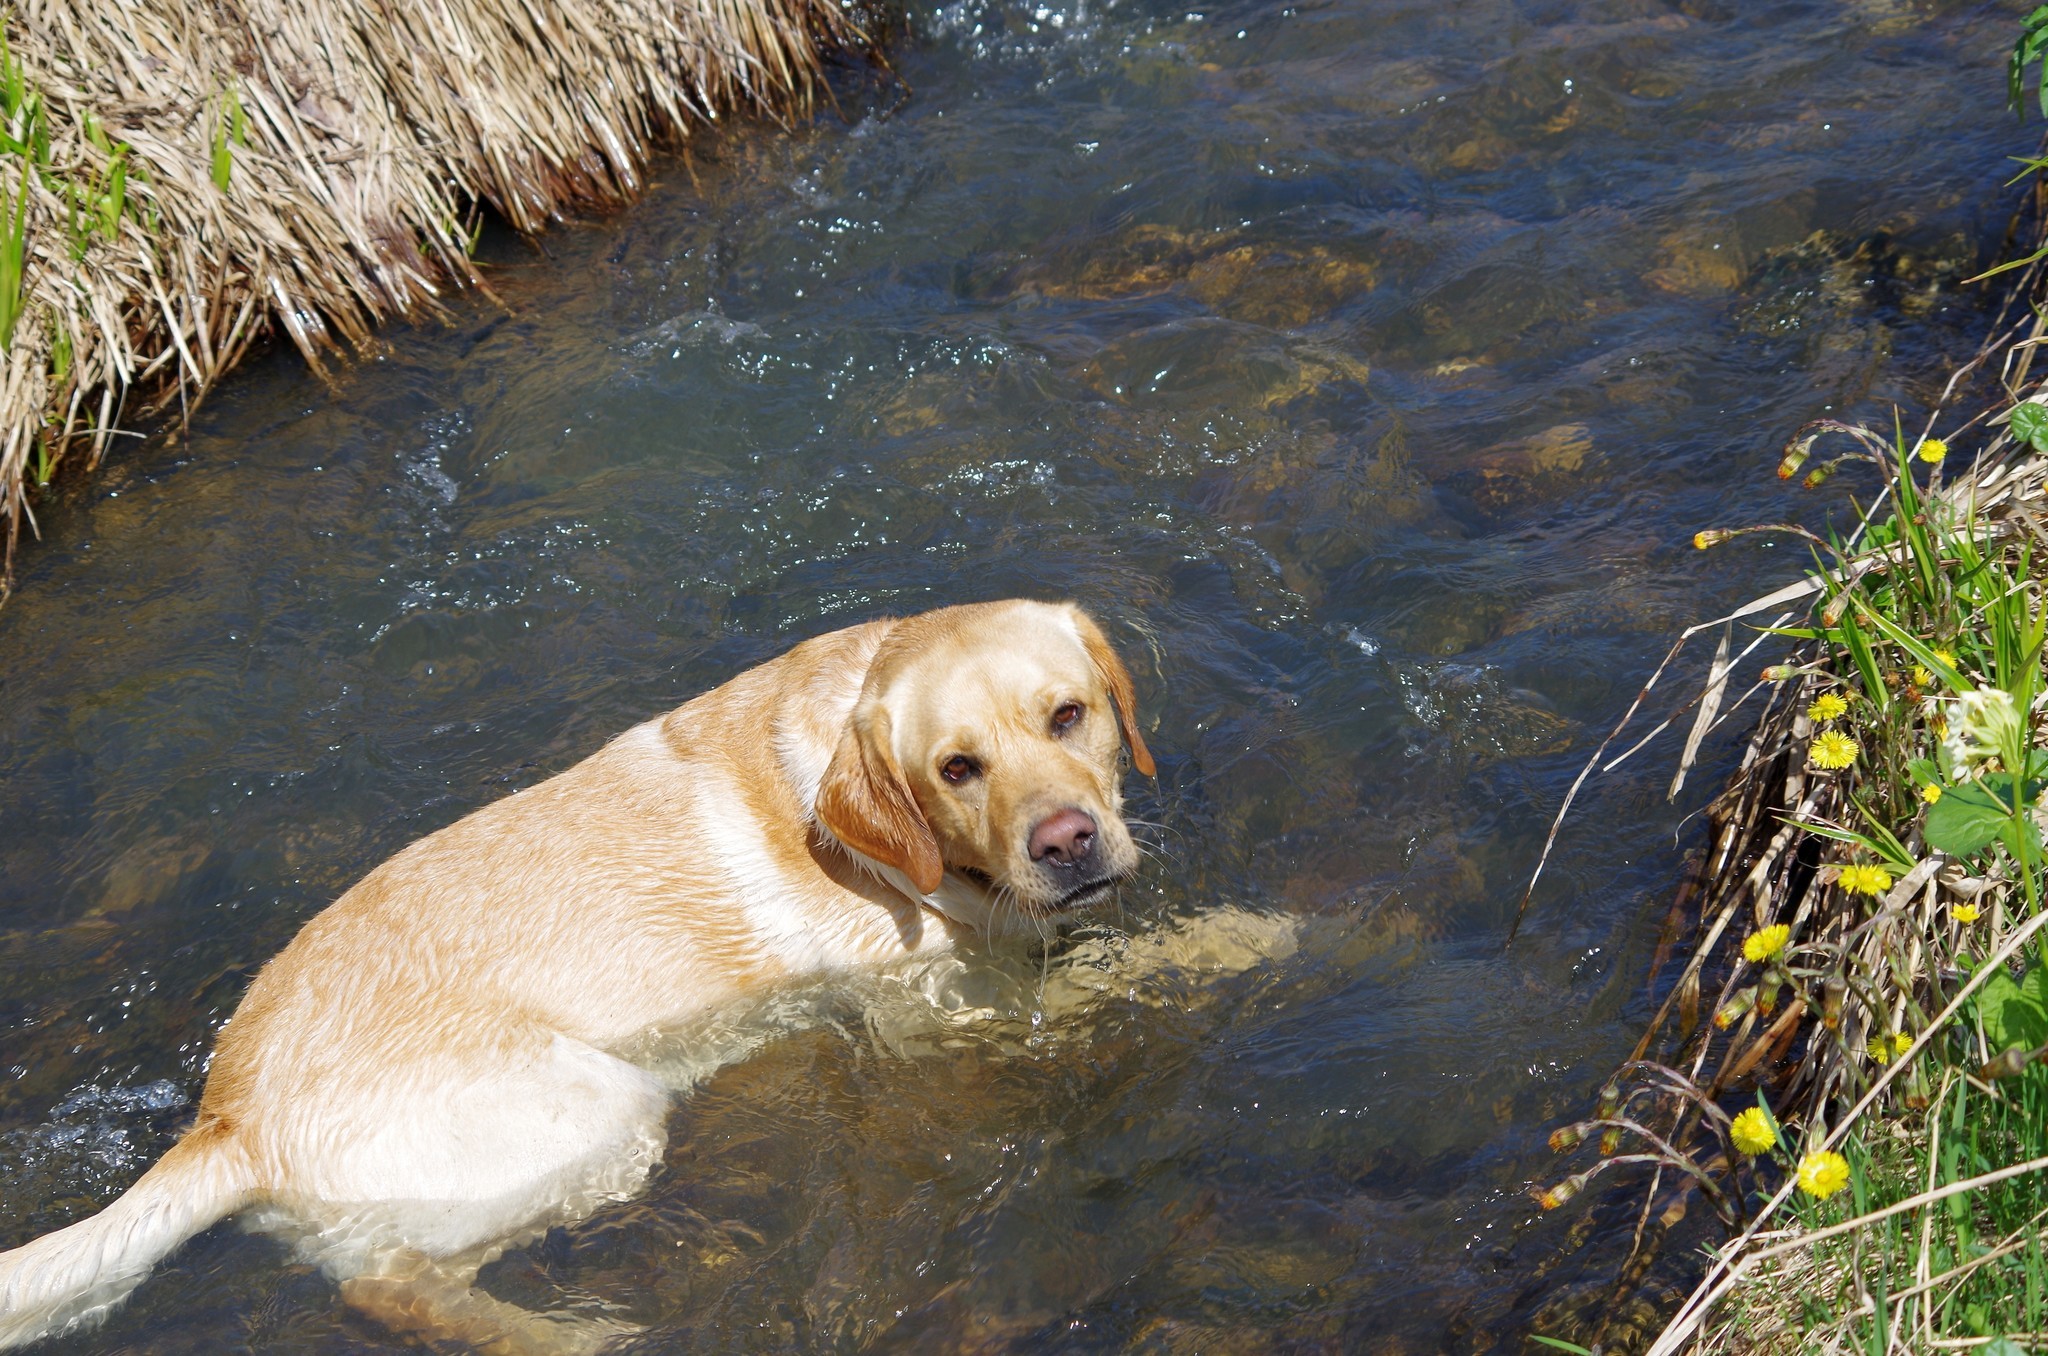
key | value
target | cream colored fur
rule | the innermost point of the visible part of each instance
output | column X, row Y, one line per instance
column 443, row 1062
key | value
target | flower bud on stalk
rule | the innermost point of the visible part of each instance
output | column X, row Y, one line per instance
column 1917, row 1094
column 1832, row 990
column 1818, row 475
column 2008, row 1064
column 1713, row 536
column 1563, row 1191
column 1569, row 1136
column 1767, row 993
column 1736, row 1008
column 1608, row 1107
column 1778, row 673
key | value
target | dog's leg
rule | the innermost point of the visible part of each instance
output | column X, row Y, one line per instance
column 410, row 1187
column 413, row 1294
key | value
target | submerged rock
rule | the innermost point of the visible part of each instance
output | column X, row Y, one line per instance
column 1260, row 282
column 1499, row 479
column 1217, row 362
column 1476, row 714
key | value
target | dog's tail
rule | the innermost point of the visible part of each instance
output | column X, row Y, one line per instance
column 70, row 1278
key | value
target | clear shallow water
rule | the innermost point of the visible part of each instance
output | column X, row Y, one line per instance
column 1367, row 366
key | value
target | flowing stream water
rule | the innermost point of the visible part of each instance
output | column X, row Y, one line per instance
column 1366, row 365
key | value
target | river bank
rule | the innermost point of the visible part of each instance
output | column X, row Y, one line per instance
column 1847, row 1068
column 178, row 180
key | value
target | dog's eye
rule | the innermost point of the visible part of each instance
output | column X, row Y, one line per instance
column 1065, row 716
column 958, row 768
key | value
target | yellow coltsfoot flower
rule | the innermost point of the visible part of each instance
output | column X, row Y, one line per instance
column 1930, row 793
column 1947, row 657
column 1922, row 677
column 1826, row 707
column 1885, row 1051
column 1864, row 880
column 1766, row 944
column 1965, row 913
column 1822, row 1174
column 1933, row 450
column 1832, row 749
column 1752, row 1132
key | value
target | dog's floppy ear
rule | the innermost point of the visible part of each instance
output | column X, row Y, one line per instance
column 1117, row 679
column 866, row 803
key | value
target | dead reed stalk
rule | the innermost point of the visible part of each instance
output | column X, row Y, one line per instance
column 177, row 177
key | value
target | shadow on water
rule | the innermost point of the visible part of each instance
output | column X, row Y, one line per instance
column 1366, row 364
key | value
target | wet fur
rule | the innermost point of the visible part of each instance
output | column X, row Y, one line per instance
column 432, row 1070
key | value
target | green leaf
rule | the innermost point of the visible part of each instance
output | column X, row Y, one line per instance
column 2030, row 424
column 116, row 199
column 1562, row 1345
column 1771, row 1119
column 1923, row 654
column 2000, row 1346
column 1858, row 645
column 2014, row 1014
column 1966, row 820
column 1895, row 858
column 229, row 132
column 1888, row 845
column 2010, row 265
column 2022, row 838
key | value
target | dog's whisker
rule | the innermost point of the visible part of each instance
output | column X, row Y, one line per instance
column 1153, row 852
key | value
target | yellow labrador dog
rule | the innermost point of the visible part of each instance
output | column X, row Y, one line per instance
column 431, row 1071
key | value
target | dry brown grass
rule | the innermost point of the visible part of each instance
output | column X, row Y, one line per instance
column 369, row 133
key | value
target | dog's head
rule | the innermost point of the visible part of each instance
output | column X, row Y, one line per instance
column 984, row 750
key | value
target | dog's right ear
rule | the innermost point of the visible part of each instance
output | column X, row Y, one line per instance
column 866, row 803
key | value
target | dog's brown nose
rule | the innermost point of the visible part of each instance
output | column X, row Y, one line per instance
column 1064, row 839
